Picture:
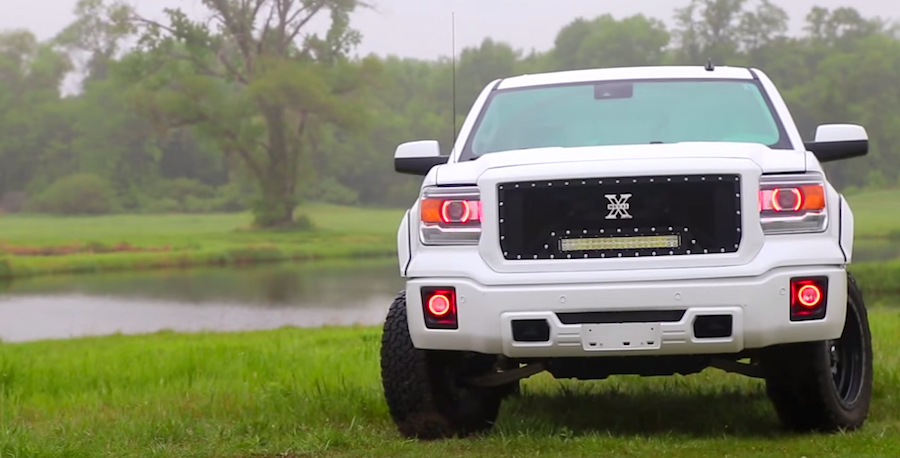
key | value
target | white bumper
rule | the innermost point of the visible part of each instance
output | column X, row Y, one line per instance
column 756, row 295
column 759, row 307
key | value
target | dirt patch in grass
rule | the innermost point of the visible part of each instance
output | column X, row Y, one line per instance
column 77, row 248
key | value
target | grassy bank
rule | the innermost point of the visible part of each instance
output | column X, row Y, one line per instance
column 43, row 244
column 876, row 213
column 292, row 393
column 878, row 277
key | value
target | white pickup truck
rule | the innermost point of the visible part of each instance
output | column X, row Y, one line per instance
column 650, row 221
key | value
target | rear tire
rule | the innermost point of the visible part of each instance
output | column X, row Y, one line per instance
column 422, row 387
column 824, row 386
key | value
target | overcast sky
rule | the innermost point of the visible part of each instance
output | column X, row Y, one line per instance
column 421, row 28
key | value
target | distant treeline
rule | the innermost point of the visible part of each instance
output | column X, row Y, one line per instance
column 165, row 126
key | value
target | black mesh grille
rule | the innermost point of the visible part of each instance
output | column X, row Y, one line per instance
column 701, row 212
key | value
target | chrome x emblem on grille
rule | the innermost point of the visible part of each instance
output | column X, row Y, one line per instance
column 618, row 206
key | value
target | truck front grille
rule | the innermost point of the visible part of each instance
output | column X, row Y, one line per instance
column 620, row 217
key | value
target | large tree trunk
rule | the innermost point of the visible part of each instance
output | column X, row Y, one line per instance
column 275, row 207
column 277, row 181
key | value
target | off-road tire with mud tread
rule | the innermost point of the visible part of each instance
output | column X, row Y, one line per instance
column 800, row 379
column 423, row 400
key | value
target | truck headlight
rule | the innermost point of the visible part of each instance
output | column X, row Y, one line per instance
column 792, row 204
column 450, row 216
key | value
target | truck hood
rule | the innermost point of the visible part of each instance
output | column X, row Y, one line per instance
column 767, row 159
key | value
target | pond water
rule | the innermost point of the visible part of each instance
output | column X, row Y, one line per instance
column 220, row 299
column 217, row 299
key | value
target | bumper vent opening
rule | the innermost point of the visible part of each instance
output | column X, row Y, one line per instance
column 636, row 316
column 713, row 326
column 531, row 330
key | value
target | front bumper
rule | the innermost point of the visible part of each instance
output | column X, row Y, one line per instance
column 758, row 307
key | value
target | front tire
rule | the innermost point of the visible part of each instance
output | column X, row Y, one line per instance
column 824, row 386
column 422, row 387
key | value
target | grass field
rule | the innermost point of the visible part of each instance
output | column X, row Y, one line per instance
column 45, row 244
column 876, row 213
column 293, row 393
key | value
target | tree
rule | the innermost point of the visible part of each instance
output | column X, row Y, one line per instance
column 607, row 42
column 722, row 29
column 836, row 27
column 34, row 130
column 708, row 29
column 96, row 35
column 760, row 27
column 479, row 66
column 257, row 83
column 247, row 103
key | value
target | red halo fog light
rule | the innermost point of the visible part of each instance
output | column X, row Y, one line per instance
column 439, row 307
column 809, row 295
column 808, row 298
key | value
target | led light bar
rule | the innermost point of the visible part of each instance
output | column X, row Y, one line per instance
column 620, row 243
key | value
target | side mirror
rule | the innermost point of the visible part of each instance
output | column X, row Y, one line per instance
column 417, row 158
column 835, row 142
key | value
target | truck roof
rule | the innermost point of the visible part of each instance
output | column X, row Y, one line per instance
column 625, row 73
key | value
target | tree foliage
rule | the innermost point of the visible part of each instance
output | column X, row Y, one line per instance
column 78, row 194
column 256, row 84
column 247, row 108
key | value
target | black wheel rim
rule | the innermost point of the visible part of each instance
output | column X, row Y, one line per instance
column 846, row 356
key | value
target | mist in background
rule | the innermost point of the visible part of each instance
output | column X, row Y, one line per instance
column 421, row 28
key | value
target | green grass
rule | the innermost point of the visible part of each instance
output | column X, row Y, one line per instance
column 161, row 241
column 297, row 392
column 185, row 240
column 877, row 277
column 876, row 213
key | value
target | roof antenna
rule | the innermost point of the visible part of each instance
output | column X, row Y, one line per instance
column 709, row 65
column 453, row 78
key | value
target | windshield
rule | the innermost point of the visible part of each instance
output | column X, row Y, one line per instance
column 626, row 112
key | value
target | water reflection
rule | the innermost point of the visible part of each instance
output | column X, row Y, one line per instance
column 218, row 299
column 221, row 299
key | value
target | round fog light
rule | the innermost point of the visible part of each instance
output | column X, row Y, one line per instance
column 809, row 295
column 439, row 305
